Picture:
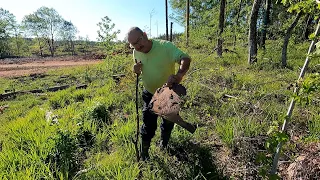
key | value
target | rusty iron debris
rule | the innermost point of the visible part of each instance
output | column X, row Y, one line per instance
column 166, row 103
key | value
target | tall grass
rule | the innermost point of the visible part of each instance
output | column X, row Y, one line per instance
column 89, row 133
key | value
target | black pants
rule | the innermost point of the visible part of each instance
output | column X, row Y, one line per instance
column 149, row 125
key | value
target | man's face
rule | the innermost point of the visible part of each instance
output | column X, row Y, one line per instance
column 138, row 41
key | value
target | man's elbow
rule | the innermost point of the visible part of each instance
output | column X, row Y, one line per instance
column 186, row 60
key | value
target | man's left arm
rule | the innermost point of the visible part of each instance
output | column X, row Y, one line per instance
column 183, row 68
column 182, row 59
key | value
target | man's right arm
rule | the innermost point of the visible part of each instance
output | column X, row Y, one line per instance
column 137, row 67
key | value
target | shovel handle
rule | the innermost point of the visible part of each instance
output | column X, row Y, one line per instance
column 178, row 120
column 136, row 141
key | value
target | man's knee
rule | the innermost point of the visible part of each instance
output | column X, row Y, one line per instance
column 149, row 125
column 147, row 132
column 167, row 125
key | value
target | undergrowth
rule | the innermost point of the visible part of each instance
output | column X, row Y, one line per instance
column 87, row 133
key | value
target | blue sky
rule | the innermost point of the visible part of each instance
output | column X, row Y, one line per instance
column 85, row 14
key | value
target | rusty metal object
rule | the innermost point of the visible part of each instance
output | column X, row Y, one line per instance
column 166, row 103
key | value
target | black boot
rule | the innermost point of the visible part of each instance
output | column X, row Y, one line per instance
column 166, row 128
column 145, row 145
column 164, row 140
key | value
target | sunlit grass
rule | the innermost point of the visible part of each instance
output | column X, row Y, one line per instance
column 91, row 137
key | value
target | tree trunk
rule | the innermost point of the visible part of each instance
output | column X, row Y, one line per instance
column 286, row 40
column 40, row 47
column 266, row 21
column 167, row 36
column 253, row 32
column 187, row 22
column 305, row 33
column 52, row 45
column 171, row 31
column 237, row 24
column 72, row 47
column 18, row 45
column 221, row 25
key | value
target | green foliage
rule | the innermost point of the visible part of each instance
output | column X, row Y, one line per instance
column 226, row 130
column 44, row 24
column 79, row 95
column 93, row 137
column 99, row 112
column 265, row 159
column 110, row 166
column 309, row 86
column 60, row 99
column 199, row 14
column 8, row 25
column 314, row 128
column 68, row 33
column 106, row 36
column 64, row 157
column 25, row 149
column 317, row 52
column 306, row 6
column 18, row 107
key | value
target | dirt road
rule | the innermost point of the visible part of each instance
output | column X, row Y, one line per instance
column 26, row 67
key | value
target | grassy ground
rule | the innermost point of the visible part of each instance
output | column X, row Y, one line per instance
column 87, row 133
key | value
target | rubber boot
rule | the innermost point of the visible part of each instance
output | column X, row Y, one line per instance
column 164, row 140
column 145, row 145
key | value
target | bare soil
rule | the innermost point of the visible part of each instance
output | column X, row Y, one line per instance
column 26, row 66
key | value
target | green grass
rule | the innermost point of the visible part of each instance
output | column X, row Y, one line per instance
column 89, row 134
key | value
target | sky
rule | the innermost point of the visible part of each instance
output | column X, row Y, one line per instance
column 86, row 14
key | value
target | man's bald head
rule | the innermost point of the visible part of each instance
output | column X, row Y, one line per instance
column 134, row 30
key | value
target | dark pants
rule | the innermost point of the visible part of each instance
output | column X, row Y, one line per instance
column 149, row 125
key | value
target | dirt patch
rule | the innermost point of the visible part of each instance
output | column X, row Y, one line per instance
column 23, row 67
column 305, row 165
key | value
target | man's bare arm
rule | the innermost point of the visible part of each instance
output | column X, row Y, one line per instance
column 184, row 67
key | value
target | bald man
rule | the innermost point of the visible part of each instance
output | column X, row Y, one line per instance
column 156, row 61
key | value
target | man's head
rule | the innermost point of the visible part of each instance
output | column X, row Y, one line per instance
column 139, row 40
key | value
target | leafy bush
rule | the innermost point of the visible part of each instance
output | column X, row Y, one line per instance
column 64, row 159
column 99, row 112
column 60, row 99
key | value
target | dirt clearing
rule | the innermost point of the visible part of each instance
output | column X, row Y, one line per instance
column 24, row 67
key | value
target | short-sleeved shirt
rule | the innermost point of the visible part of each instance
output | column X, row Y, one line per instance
column 159, row 63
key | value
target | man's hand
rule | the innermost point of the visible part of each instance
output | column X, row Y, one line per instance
column 183, row 68
column 174, row 79
column 137, row 67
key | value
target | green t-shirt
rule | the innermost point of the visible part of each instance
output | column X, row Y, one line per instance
column 159, row 63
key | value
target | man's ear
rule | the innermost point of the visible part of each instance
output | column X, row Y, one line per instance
column 145, row 35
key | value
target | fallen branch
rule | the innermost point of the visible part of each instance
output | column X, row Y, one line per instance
column 229, row 96
column 81, row 172
column 51, row 89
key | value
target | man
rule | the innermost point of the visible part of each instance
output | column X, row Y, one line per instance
column 156, row 63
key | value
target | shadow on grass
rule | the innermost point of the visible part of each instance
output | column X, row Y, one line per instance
column 189, row 161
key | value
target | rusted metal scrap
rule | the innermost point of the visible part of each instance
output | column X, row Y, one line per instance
column 166, row 103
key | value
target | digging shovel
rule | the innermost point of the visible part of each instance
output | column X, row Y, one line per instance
column 136, row 141
column 166, row 103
